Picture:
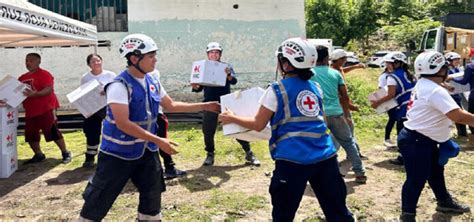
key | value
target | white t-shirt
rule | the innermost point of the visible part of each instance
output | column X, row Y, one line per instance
column 428, row 112
column 383, row 80
column 117, row 92
column 105, row 77
column 391, row 81
column 270, row 101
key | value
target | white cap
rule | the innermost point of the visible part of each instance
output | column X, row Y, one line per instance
column 338, row 53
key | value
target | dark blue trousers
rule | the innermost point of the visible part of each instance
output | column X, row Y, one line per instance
column 289, row 183
column 112, row 175
column 420, row 155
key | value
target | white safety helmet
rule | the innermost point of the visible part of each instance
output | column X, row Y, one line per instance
column 138, row 44
column 300, row 53
column 429, row 63
column 337, row 54
column 395, row 56
column 452, row 56
column 213, row 46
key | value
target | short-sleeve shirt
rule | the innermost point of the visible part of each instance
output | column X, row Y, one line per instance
column 329, row 79
column 117, row 92
column 38, row 80
column 427, row 114
column 383, row 80
column 103, row 78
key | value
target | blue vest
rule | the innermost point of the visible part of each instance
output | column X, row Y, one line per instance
column 402, row 93
column 119, row 144
column 299, row 133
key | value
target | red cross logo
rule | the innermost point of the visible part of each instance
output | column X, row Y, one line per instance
column 196, row 68
column 309, row 102
column 10, row 138
column 10, row 115
column 152, row 88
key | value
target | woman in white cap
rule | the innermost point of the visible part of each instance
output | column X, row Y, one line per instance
column 428, row 126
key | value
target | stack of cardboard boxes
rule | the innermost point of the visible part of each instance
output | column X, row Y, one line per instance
column 460, row 43
column 8, row 133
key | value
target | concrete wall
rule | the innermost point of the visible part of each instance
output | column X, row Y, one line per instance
column 248, row 30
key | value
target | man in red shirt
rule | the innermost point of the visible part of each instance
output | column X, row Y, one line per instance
column 40, row 106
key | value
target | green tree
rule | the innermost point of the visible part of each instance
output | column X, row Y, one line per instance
column 327, row 19
column 409, row 30
column 443, row 8
column 364, row 22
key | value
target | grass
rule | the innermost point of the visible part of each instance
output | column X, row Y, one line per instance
column 230, row 190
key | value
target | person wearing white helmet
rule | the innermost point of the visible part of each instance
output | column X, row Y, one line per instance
column 468, row 78
column 425, row 140
column 392, row 119
column 209, row 119
column 129, row 147
column 338, row 59
column 454, row 61
column 336, row 110
column 300, row 145
column 400, row 84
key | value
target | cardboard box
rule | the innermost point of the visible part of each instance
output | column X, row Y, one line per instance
column 8, row 141
column 8, row 118
column 11, row 91
column 386, row 106
column 8, row 164
column 87, row 98
column 458, row 88
column 450, row 41
column 244, row 103
column 209, row 73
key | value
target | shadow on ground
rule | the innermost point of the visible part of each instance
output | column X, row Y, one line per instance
column 199, row 179
column 26, row 173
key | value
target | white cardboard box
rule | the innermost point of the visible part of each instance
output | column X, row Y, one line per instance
column 458, row 88
column 209, row 73
column 8, row 117
column 8, row 164
column 11, row 91
column 87, row 98
column 386, row 106
column 8, row 140
column 244, row 103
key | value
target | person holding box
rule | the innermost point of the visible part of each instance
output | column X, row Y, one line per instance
column 400, row 84
column 209, row 120
column 92, row 125
column 300, row 145
column 40, row 106
column 129, row 148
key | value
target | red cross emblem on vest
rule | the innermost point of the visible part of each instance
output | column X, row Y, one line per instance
column 308, row 102
column 10, row 138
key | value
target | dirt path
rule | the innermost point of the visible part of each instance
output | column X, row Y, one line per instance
column 47, row 191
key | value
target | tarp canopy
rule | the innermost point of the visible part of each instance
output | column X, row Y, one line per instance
column 23, row 24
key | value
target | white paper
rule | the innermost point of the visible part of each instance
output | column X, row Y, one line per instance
column 386, row 106
column 87, row 98
column 208, row 73
column 11, row 91
column 244, row 103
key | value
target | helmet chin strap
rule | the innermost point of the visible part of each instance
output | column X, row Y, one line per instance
column 137, row 66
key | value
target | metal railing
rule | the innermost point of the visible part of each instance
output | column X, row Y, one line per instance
column 107, row 15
